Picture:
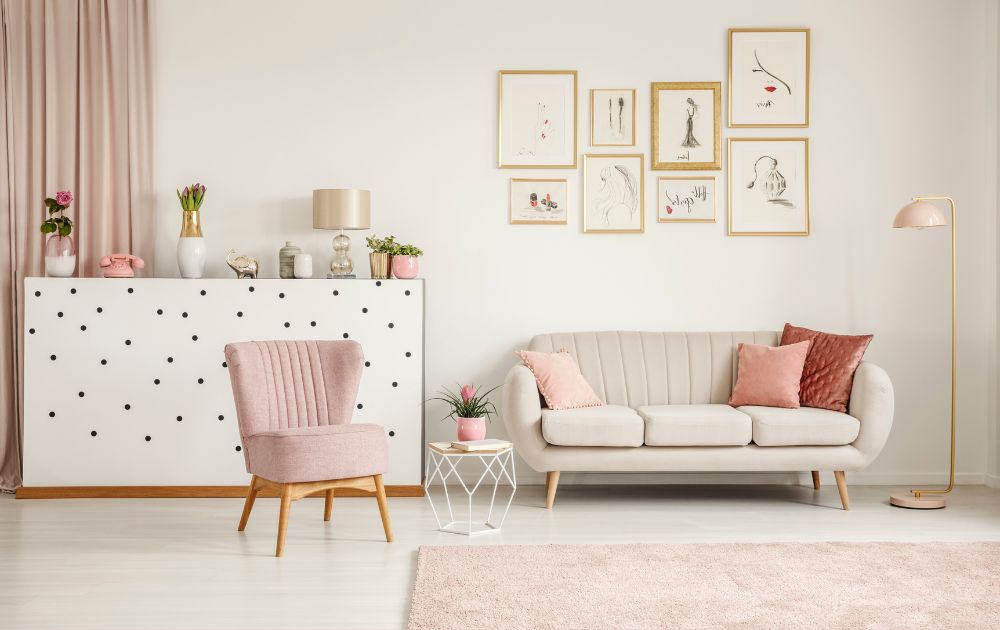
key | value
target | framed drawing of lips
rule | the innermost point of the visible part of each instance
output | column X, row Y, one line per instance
column 769, row 77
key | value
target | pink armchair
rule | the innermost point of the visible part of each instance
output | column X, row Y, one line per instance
column 294, row 401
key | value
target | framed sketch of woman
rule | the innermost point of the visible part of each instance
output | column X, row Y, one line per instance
column 687, row 121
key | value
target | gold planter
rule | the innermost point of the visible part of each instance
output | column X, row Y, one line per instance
column 381, row 264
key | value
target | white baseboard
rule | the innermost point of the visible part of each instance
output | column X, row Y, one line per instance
column 993, row 481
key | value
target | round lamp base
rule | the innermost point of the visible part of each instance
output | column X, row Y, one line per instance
column 933, row 502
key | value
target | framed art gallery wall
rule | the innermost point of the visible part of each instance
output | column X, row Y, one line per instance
column 898, row 106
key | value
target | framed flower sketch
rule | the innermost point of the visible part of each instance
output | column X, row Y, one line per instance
column 613, row 193
column 769, row 186
column 769, row 77
column 685, row 199
column 612, row 118
column 537, row 119
column 538, row 201
column 687, row 126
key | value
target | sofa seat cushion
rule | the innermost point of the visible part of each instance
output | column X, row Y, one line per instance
column 695, row 425
column 608, row 425
column 805, row 426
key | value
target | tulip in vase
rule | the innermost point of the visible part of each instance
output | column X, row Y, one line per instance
column 470, row 410
column 191, row 253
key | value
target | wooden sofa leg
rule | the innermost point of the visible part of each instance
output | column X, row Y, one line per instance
column 328, row 505
column 286, row 505
column 551, row 483
column 383, row 507
column 842, row 487
column 815, row 479
column 251, row 497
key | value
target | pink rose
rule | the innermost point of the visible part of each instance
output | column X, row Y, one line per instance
column 467, row 393
column 64, row 198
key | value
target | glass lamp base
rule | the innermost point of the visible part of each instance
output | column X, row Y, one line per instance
column 341, row 263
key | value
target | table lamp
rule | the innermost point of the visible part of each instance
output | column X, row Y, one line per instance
column 919, row 214
column 341, row 209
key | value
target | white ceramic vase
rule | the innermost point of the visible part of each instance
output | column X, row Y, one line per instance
column 191, row 256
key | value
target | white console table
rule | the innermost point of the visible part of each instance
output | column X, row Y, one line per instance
column 126, row 384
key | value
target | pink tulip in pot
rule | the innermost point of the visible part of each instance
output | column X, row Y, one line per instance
column 404, row 261
column 470, row 409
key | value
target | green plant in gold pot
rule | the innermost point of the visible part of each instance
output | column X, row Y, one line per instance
column 380, row 256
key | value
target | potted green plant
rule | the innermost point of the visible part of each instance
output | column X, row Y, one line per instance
column 404, row 261
column 470, row 409
column 380, row 257
column 60, row 251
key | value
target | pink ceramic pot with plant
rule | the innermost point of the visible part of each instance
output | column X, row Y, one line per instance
column 470, row 409
column 404, row 261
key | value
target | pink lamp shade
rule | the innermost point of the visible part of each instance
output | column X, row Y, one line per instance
column 919, row 214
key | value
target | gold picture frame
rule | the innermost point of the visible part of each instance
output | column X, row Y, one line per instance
column 659, row 163
column 715, row 201
column 521, row 180
column 637, row 196
column 808, row 46
column 508, row 162
column 593, row 134
column 739, row 169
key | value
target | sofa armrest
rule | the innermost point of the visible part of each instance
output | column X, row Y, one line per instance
column 872, row 403
column 522, row 414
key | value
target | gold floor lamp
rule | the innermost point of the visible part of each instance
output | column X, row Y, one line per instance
column 919, row 213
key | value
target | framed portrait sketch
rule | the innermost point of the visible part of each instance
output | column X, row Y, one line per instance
column 537, row 119
column 769, row 186
column 538, row 201
column 613, row 193
column 685, row 199
column 612, row 118
column 687, row 126
column 769, row 77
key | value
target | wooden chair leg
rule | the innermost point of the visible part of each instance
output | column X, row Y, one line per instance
column 328, row 506
column 286, row 505
column 815, row 479
column 251, row 497
column 383, row 507
column 842, row 487
column 551, row 483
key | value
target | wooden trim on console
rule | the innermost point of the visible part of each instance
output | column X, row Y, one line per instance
column 186, row 492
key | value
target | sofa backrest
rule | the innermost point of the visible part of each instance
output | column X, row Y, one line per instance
column 656, row 368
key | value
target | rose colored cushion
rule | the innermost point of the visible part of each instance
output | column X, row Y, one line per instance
column 828, row 374
column 769, row 376
column 559, row 380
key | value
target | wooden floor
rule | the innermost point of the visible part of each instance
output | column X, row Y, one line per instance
column 179, row 563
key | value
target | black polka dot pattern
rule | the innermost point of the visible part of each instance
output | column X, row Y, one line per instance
column 99, row 310
column 93, row 434
column 238, row 448
column 392, row 434
column 148, row 438
column 72, row 291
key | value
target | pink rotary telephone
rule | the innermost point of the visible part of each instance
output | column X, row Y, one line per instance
column 121, row 265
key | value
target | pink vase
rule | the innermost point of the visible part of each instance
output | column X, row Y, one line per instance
column 405, row 267
column 471, row 429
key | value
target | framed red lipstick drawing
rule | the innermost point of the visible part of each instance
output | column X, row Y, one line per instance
column 538, row 201
column 769, row 77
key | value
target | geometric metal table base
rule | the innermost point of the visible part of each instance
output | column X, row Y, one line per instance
column 442, row 465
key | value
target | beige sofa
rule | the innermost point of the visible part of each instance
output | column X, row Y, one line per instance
column 666, row 411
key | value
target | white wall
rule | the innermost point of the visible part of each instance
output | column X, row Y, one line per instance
column 264, row 101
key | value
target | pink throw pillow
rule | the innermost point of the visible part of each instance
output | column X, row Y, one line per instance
column 828, row 375
column 559, row 380
column 769, row 376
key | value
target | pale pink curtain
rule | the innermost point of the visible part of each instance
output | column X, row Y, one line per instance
column 75, row 113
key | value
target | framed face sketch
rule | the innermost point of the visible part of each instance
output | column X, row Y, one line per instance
column 769, row 186
column 538, row 201
column 686, row 126
column 690, row 199
column 537, row 119
column 613, row 193
column 612, row 118
column 768, row 77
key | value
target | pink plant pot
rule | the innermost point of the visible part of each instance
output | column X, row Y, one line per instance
column 405, row 267
column 471, row 429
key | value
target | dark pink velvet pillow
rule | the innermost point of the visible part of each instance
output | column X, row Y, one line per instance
column 828, row 374
column 769, row 376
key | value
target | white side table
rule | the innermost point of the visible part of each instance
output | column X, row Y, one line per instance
column 442, row 464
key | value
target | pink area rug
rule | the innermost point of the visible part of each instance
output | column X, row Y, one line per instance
column 782, row 585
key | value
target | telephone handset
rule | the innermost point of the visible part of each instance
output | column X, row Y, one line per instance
column 120, row 265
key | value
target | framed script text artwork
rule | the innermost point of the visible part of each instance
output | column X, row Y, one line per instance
column 685, row 199
column 612, row 118
column 768, row 77
column 769, row 187
column 538, row 201
column 687, row 121
column 613, row 193
column 537, row 119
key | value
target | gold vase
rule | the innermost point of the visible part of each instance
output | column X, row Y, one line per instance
column 381, row 264
column 191, row 223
